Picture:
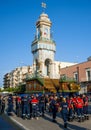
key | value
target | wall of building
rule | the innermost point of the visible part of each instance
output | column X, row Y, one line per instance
column 80, row 68
column 82, row 78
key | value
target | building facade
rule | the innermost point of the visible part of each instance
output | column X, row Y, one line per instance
column 17, row 76
column 81, row 73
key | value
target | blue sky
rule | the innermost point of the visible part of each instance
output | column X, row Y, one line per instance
column 71, row 26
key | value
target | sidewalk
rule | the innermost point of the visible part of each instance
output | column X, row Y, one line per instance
column 47, row 124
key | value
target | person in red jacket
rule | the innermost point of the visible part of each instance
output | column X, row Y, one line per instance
column 35, row 106
column 79, row 102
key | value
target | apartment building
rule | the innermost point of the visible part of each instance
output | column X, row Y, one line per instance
column 17, row 76
column 6, row 80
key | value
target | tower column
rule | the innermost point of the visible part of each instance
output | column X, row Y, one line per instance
column 51, row 70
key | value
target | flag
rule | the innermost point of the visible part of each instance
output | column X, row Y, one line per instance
column 43, row 5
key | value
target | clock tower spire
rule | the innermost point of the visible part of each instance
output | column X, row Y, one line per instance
column 43, row 47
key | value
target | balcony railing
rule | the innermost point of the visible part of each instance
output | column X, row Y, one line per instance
column 43, row 39
column 37, row 76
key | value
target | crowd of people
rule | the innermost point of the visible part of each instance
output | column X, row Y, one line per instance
column 35, row 105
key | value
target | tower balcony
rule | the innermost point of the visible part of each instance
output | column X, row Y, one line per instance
column 42, row 39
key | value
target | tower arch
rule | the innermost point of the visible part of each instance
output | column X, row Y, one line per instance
column 47, row 66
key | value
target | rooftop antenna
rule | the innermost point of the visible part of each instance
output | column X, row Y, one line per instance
column 43, row 5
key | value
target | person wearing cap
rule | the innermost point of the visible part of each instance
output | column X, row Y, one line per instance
column 64, row 111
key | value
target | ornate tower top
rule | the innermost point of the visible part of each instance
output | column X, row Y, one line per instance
column 43, row 28
column 43, row 20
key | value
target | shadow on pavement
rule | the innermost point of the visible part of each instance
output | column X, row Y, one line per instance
column 75, row 127
column 70, row 126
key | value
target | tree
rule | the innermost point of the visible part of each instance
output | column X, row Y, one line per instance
column 21, row 88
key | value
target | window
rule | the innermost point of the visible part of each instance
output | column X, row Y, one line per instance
column 88, row 74
column 76, row 76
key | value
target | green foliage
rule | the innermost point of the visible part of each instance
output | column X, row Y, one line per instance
column 9, row 89
column 67, row 79
column 20, row 88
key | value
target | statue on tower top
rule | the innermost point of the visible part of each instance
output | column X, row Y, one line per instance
column 43, row 5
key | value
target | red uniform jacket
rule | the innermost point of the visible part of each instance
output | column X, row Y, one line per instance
column 34, row 101
column 70, row 103
column 79, row 102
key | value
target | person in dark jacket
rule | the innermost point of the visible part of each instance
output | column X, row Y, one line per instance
column 26, row 108
column 64, row 111
column 85, row 106
column 18, row 106
column 53, row 105
column 10, row 104
column 42, row 105
column 3, row 105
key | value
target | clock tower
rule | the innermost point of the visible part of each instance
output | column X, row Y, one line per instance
column 43, row 48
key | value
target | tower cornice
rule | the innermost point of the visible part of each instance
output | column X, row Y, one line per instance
column 43, row 20
column 39, row 23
